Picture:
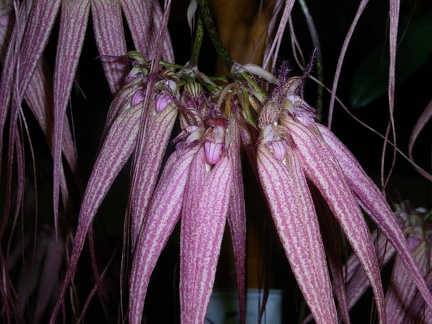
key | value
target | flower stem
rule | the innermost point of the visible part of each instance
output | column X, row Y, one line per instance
column 196, row 48
column 211, row 29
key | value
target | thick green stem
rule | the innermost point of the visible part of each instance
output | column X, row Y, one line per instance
column 211, row 29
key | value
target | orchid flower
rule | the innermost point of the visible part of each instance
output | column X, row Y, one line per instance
column 402, row 297
column 288, row 128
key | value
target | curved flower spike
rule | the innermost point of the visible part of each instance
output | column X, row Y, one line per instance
column 296, row 222
column 322, row 168
column 375, row 205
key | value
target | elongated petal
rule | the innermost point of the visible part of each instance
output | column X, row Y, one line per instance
column 145, row 22
column 190, row 210
column 163, row 214
column 114, row 153
column 376, row 206
column 334, row 251
column 324, row 171
column 73, row 24
column 401, row 292
column 149, row 162
column 237, row 217
column 28, row 40
column 110, row 39
column 297, row 226
column 356, row 279
column 209, row 224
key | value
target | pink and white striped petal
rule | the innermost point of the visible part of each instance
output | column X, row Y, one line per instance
column 209, row 225
column 375, row 204
column 110, row 39
column 163, row 215
column 237, row 216
column 356, row 280
column 146, row 171
column 402, row 291
column 294, row 215
column 188, row 233
column 73, row 24
column 115, row 151
column 322, row 168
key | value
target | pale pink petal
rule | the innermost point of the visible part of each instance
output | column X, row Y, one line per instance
column 115, row 151
column 402, row 290
column 237, row 217
column 194, row 189
column 375, row 204
column 110, row 40
column 208, row 226
column 323, row 170
column 356, row 279
column 294, row 215
column 73, row 24
column 163, row 214
column 331, row 236
column 147, row 165
column 145, row 21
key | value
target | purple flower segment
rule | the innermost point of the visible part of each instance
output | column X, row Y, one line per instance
column 294, row 215
column 237, row 216
column 115, row 151
column 322, row 168
column 188, row 235
column 376, row 206
column 206, row 223
column 402, row 291
column 163, row 214
column 110, row 39
column 159, row 129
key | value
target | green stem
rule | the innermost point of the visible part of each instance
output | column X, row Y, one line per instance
column 196, row 48
column 211, row 29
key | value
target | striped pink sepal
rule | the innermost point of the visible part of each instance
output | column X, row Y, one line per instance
column 188, row 235
column 73, row 24
column 237, row 216
column 335, row 250
column 296, row 222
column 110, row 40
column 356, row 279
column 163, row 215
column 206, row 225
column 116, row 149
column 158, row 132
column 375, row 205
column 402, row 290
column 322, row 168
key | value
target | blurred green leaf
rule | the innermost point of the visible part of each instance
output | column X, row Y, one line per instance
column 371, row 78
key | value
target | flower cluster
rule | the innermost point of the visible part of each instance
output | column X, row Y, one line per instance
column 300, row 165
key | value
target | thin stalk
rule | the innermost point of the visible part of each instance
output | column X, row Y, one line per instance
column 319, row 66
column 196, row 47
column 211, row 29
